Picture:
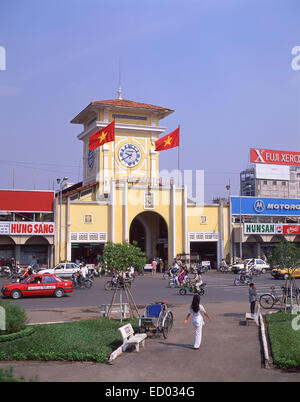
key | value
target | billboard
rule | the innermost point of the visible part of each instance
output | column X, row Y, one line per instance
column 27, row 228
column 265, row 206
column 271, row 228
column 26, row 201
column 272, row 172
column 268, row 156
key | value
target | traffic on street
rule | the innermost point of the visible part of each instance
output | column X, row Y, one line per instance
column 219, row 287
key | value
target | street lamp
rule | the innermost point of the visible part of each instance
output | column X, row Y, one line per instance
column 241, row 250
column 60, row 182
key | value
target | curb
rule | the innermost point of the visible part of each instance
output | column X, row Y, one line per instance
column 264, row 342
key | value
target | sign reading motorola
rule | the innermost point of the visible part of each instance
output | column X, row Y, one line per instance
column 268, row 156
column 265, row 206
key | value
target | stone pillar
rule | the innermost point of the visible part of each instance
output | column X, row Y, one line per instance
column 184, row 217
column 173, row 222
column 125, row 207
column 68, row 236
column 221, row 234
column 112, row 210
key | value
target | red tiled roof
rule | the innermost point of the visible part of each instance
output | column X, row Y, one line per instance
column 86, row 112
column 129, row 103
column 80, row 189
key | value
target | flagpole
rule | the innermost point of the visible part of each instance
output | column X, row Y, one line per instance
column 114, row 159
column 178, row 157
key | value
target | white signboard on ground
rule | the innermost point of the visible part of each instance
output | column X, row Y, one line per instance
column 2, row 319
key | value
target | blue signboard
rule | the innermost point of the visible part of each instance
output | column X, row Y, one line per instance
column 265, row 206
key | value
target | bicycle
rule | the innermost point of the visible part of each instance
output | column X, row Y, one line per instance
column 268, row 300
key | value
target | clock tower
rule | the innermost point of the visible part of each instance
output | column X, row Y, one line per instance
column 132, row 156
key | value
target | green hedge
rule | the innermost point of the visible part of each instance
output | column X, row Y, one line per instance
column 88, row 340
column 284, row 340
column 16, row 318
column 17, row 335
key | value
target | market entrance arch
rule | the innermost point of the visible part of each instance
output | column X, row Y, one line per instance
column 150, row 230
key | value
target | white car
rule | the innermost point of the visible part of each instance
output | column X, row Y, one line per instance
column 63, row 270
column 258, row 264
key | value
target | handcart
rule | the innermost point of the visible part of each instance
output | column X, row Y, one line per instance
column 157, row 318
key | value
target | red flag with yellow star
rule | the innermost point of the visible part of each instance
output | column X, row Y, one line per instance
column 100, row 137
column 168, row 141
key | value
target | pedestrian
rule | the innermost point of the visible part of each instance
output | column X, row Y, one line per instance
column 196, row 311
column 161, row 266
column 154, row 265
column 252, row 298
column 84, row 272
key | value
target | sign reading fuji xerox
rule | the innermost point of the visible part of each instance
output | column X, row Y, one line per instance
column 265, row 206
column 267, row 156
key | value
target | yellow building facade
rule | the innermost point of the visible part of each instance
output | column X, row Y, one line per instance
column 123, row 198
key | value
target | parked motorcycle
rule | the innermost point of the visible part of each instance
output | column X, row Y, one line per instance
column 85, row 282
column 5, row 272
column 117, row 281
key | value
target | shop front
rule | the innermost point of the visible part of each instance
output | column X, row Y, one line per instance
column 261, row 223
column 27, row 228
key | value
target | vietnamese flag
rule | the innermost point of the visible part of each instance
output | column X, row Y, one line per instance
column 100, row 137
column 168, row 141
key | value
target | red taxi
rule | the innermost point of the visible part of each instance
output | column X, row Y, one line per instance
column 38, row 285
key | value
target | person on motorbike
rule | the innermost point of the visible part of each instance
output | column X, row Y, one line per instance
column 224, row 265
column 25, row 273
column 175, row 268
column 181, row 275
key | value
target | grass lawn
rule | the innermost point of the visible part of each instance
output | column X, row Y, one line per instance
column 284, row 340
column 87, row 340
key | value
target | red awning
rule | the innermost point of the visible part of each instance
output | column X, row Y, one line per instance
column 26, row 201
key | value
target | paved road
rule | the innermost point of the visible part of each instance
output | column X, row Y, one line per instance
column 146, row 289
column 230, row 351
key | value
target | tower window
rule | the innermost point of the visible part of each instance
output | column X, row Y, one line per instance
column 129, row 117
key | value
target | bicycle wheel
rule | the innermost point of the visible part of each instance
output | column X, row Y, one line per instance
column 88, row 283
column 266, row 301
column 108, row 285
column 168, row 324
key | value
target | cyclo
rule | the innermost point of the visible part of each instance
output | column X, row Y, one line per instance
column 157, row 318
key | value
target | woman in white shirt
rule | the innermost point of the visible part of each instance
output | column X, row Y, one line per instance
column 196, row 311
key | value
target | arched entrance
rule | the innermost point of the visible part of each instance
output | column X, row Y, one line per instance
column 150, row 231
column 7, row 248
column 36, row 248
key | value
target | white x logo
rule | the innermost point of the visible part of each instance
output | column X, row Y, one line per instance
column 260, row 156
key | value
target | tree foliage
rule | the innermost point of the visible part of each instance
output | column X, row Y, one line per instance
column 123, row 255
column 286, row 254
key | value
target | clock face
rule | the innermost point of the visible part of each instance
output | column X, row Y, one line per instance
column 129, row 155
column 90, row 159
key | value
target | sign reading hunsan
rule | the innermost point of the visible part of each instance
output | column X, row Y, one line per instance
column 271, row 228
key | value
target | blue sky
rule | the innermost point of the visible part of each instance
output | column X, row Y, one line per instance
column 224, row 66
